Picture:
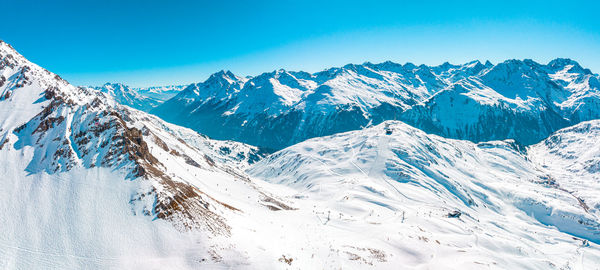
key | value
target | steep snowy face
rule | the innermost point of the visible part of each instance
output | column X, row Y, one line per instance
column 219, row 86
column 521, row 100
column 127, row 96
column 433, row 198
column 79, row 168
column 572, row 155
column 582, row 104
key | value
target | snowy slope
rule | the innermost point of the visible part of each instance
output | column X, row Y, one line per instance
column 572, row 156
column 401, row 191
column 90, row 183
column 473, row 101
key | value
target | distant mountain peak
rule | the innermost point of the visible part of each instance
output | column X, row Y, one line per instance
column 365, row 94
column 559, row 64
column 6, row 48
column 223, row 77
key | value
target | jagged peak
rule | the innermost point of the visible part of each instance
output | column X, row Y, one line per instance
column 518, row 63
column 11, row 57
column 562, row 63
column 280, row 71
column 223, row 78
column 447, row 65
column 473, row 63
column 27, row 73
column 115, row 85
column 424, row 67
column 410, row 65
column 514, row 66
column 6, row 48
column 223, row 73
column 218, row 82
column 386, row 65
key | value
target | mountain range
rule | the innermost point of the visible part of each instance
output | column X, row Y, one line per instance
column 516, row 99
column 144, row 99
column 381, row 166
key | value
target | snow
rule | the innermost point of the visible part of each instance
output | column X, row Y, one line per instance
column 471, row 97
column 91, row 183
column 405, row 184
column 82, row 219
column 161, row 93
column 572, row 156
column 128, row 96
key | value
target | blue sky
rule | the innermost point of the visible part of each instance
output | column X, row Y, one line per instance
column 143, row 43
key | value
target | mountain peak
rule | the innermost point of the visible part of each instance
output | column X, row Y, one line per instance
column 115, row 85
column 562, row 62
column 559, row 64
column 5, row 47
column 447, row 65
column 223, row 77
column 10, row 57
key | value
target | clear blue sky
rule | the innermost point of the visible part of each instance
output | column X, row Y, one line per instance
column 170, row 42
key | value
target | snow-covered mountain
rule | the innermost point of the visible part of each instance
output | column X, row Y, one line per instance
column 520, row 100
column 441, row 203
column 161, row 93
column 128, row 96
column 89, row 183
column 144, row 99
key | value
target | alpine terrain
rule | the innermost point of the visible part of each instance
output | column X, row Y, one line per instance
column 520, row 100
column 144, row 99
column 380, row 166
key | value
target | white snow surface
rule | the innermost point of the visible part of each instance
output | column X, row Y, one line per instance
column 397, row 190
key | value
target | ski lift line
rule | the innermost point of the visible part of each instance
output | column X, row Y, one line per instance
column 352, row 161
column 387, row 139
column 326, row 167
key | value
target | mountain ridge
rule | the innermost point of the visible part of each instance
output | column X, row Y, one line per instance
column 298, row 105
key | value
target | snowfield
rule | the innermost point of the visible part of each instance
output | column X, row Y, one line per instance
column 90, row 183
column 405, row 189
